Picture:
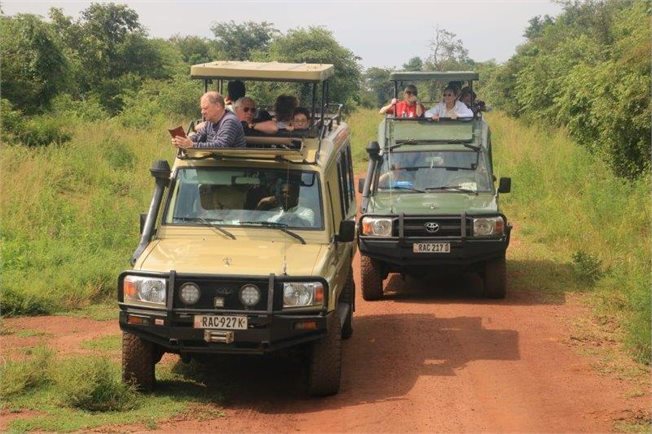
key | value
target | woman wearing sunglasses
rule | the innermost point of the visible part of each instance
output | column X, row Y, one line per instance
column 245, row 109
column 409, row 107
column 450, row 107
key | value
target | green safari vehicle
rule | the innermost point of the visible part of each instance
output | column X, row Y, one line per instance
column 429, row 203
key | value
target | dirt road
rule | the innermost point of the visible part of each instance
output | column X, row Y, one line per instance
column 430, row 357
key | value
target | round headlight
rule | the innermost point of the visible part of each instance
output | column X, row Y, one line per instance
column 152, row 290
column 297, row 294
column 483, row 227
column 249, row 295
column 382, row 227
column 189, row 293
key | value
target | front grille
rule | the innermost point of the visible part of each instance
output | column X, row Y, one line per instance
column 226, row 289
column 447, row 226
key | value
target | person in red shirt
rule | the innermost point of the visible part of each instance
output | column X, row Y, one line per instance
column 409, row 107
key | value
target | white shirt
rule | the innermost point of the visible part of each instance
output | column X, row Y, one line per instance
column 460, row 110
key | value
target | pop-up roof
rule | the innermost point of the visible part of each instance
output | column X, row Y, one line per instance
column 263, row 71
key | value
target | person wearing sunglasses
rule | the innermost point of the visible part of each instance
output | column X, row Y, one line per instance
column 409, row 107
column 450, row 107
column 245, row 109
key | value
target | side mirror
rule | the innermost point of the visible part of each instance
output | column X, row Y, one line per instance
column 143, row 218
column 505, row 185
column 360, row 185
column 347, row 231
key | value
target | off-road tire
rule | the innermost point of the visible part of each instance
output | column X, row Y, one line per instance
column 325, row 360
column 138, row 360
column 495, row 278
column 348, row 296
column 371, row 279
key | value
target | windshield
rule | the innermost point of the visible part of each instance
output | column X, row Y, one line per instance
column 245, row 197
column 435, row 170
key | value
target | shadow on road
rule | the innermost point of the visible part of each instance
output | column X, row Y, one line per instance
column 528, row 283
column 382, row 361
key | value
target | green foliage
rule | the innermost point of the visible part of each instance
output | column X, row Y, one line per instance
column 588, row 268
column 93, row 384
column 195, row 50
column 568, row 201
column 86, row 109
column 377, row 86
column 239, row 41
column 588, row 70
column 34, row 67
column 43, row 131
column 317, row 45
column 22, row 376
column 447, row 53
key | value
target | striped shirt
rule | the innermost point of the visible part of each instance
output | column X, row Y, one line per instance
column 226, row 133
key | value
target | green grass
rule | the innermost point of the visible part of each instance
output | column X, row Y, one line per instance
column 104, row 343
column 83, row 393
column 584, row 220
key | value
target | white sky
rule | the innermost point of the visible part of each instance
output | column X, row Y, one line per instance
column 382, row 33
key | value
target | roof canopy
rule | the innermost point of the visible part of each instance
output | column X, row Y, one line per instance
column 434, row 75
column 263, row 71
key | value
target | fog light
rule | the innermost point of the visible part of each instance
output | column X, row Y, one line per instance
column 189, row 293
column 249, row 295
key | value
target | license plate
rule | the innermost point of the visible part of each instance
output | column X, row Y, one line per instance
column 224, row 322
column 431, row 248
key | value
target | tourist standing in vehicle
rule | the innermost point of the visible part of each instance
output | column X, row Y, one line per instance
column 235, row 89
column 284, row 107
column 409, row 107
column 245, row 109
column 301, row 119
column 221, row 128
column 450, row 107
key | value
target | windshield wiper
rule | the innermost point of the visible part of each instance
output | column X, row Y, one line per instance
column 280, row 226
column 452, row 188
column 208, row 223
column 404, row 187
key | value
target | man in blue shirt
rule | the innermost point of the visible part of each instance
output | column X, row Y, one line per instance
column 221, row 129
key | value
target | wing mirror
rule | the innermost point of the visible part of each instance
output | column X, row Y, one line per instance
column 347, row 231
column 505, row 185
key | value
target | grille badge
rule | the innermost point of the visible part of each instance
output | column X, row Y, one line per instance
column 218, row 302
column 432, row 227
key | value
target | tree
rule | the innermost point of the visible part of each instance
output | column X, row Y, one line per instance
column 196, row 50
column 447, row 53
column 414, row 64
column 317, row 45
column 377, row 83
column 239, row 41
column 34, row 67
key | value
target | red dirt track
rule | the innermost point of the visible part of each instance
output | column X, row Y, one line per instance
column 429, row 357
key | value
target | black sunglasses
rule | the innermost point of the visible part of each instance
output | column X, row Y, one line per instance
column 409, row 92
column 248, row 109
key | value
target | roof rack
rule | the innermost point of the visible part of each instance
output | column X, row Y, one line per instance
column 287, row 149
column 434, row 75
column 263, row 71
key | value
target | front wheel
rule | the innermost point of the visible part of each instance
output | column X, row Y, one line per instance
column 370, row 278
column 138, row 360
column 325, row 361
column 495, row 278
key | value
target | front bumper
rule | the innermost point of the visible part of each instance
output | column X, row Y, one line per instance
column 396, row 252
column 265, row 333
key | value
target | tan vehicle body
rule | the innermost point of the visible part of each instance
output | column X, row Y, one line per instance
column 248, row 250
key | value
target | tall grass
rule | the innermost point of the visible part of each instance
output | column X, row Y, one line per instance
column 69, row 214
column 569, row 201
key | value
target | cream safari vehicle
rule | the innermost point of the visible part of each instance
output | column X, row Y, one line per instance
column 217, row 273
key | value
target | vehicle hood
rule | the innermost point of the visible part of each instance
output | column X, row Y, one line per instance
column 432, row 203
column 211, row 255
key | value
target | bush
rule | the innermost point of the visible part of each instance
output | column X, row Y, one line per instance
column 92, row 384
column 43, row 131
column 89, row 109
column 17, row 377
column 588, row 268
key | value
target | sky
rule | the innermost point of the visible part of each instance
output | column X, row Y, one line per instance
column 382, row 33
